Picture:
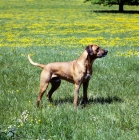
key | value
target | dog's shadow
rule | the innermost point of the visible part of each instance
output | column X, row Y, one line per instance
column 105, row 100
column 92, row 100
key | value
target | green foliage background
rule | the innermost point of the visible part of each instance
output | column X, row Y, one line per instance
column 112, row 2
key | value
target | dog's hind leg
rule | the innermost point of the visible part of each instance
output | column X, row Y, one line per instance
column 43, row 88
column 55, row 83
column 44, row 82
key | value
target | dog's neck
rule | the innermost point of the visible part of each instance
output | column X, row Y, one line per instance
column 85, row 58
column 86, row 61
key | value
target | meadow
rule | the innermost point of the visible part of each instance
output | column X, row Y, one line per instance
column 59, row 30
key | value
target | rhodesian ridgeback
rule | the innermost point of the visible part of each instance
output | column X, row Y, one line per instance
column 77, row 72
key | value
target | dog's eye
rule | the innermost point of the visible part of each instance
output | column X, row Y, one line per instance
column 97, row 50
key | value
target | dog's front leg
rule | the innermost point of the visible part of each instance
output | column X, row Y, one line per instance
column 76, row 92
column 85, row 87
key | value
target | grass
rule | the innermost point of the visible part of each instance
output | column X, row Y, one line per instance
column 59, row 31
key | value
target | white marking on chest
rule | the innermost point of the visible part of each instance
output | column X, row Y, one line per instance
column 87, row 76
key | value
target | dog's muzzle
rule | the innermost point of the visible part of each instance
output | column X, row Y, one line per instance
column 103, row 54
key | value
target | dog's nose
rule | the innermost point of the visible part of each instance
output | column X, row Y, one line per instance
column 106, row 51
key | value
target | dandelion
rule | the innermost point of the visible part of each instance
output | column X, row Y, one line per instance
column 31, row 119
column 54, row 106
column 39, row 120
column 20, row 125
column 32, row 54
column 22, row 55
column 128, row 53
column 50, row 105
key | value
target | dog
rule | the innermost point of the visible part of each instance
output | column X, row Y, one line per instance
column 77, row 72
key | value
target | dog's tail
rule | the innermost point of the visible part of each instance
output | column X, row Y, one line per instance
column 35, row 64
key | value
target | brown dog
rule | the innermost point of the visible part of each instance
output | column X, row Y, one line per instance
column 77, row 72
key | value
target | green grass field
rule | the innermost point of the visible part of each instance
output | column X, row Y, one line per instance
column 59, row 30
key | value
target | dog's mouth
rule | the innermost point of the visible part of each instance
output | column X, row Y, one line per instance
column 103, row 54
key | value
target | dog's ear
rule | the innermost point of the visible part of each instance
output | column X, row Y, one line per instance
column 89, row 50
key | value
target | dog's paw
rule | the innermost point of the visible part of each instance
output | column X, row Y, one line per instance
column 84, row 101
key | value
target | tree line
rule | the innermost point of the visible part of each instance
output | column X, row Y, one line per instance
column 121, row 3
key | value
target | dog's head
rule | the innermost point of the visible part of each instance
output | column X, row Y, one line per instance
column 96, row 51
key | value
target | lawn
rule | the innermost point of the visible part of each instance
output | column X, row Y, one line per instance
column 59, row 30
